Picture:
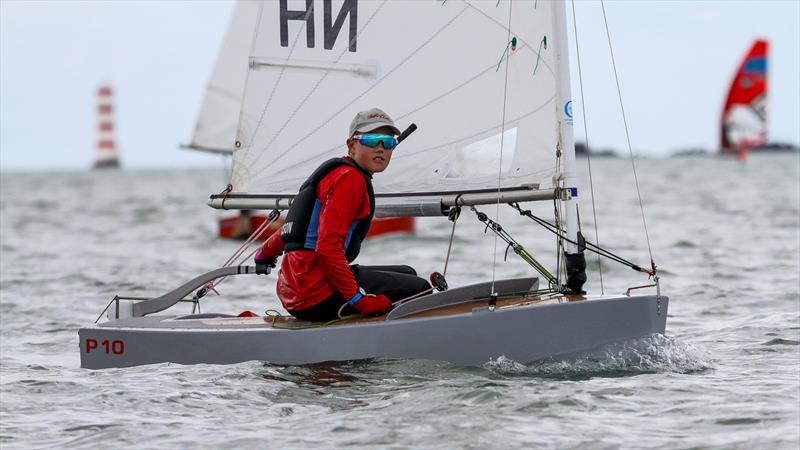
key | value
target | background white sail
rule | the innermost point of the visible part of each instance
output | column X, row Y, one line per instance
column 438, row 64
column 215, row 130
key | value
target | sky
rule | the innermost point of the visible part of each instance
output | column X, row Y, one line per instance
column 675, row 61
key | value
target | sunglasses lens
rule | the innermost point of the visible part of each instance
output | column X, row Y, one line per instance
column 372, row 141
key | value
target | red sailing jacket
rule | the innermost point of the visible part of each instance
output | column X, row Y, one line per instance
column 308, row 277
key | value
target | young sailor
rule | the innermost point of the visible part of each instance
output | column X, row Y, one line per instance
column 325, row 225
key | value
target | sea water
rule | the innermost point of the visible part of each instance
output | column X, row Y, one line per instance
column 724, row 234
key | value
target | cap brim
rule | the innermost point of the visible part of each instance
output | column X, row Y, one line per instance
column 375, row 126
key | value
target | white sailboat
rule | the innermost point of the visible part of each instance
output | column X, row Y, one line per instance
column 488, row 85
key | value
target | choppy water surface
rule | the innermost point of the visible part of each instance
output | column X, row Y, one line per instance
column 725, row 235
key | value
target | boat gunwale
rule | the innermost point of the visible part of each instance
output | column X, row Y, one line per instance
column 266, row 323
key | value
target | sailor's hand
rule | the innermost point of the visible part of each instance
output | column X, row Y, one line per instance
column 373, row 304
column 264, row 263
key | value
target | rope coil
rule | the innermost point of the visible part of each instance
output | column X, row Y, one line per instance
column 225, row 193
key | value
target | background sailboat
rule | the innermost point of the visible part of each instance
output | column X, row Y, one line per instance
column 744, row 120
column 216, row 127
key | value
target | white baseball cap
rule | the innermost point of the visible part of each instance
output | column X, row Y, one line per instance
column 370, row 120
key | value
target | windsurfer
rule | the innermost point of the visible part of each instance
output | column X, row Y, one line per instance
column 324, row 228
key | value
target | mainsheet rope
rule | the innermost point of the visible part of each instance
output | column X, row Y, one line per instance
column 236, row 257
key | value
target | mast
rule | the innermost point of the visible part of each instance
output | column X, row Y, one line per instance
column 576, row 263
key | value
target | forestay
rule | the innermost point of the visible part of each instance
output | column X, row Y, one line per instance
column 440, row 64
column 217, row 122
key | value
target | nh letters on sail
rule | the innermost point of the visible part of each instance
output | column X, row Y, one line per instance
column 331, row 29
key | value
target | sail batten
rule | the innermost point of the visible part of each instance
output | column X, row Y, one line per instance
column 202, row 148
column 364, row 70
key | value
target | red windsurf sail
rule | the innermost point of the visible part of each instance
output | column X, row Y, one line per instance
column 744, row 117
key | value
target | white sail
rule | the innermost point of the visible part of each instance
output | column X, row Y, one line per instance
column 215, row 130
column 439, row 64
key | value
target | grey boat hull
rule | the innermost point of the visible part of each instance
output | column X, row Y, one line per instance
column 523, row 332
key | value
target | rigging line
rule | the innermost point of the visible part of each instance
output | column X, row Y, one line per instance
column 588, row 153
column 502, row 139
column 559, row 243
column 558, row 214
column 600, row 251
column 513, row 244
column 253, row 236
column 243, row 248
column 455, row 212
column 247, row 243
column 560, row 233
column 627, row 134
column 212, row 285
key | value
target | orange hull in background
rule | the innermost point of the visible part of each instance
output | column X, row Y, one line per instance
column 239, row 228
column 741, row 155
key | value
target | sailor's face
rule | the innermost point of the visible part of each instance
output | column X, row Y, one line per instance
column 372, row 159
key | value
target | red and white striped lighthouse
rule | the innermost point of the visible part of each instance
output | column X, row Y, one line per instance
column 105, row 155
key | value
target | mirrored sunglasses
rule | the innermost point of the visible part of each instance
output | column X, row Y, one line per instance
column 372, row 140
